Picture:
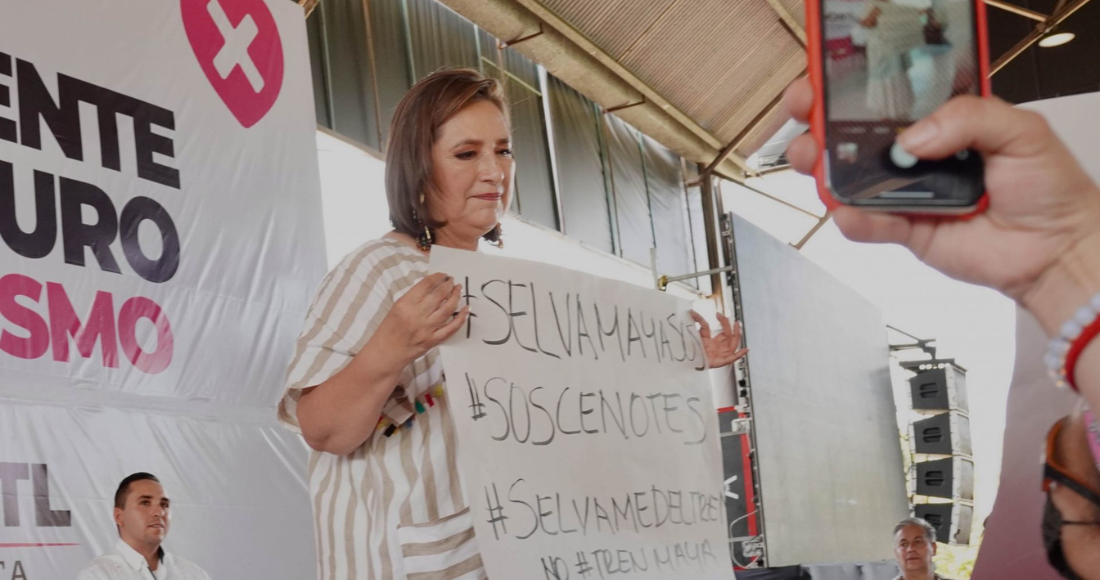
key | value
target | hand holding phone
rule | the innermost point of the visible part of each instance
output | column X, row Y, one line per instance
column 1043, row 208
column 876, row 67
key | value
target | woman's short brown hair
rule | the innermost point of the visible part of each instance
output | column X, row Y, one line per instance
column 414, row 129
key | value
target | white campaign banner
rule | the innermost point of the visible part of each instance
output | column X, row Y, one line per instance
column 587, row 435
column 161, row 238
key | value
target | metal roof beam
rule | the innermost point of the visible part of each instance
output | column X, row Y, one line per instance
column 789, row 22
column 651, row 95
column 1020, row 10
column 1059, row 16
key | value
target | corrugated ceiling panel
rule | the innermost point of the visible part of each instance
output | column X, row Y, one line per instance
column 721, row 62
column 767, row 84
column 719, row 65
column 613, row 25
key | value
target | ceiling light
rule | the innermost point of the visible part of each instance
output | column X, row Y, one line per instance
column 1056, row 39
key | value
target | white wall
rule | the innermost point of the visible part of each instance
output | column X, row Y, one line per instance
column 353, row 196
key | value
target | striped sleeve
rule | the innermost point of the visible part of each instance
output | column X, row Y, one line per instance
column 350, row 303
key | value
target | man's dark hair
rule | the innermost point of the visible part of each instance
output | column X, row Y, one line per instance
column 124, row 487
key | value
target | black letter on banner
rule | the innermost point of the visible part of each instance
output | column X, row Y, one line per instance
column 108, row 104
column 35, row 101
column 502, row 309
column 513, row 315
column 77, row 234
column 633, row 334
column 163, row 268
column 45, row 517
column 146, row 142
column 7, row 126
column 697, row 348
column 39, row 243
column 10, row 473
column 471, row 315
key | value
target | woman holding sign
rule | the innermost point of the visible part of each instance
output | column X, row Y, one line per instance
column 365, row 383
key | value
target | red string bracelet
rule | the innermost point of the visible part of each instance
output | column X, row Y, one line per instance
column 1076, row 348
column 1074, row 336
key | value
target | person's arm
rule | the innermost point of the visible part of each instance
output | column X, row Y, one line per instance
column 339, row 414
column 1040, row 238
column 1038, row 241
column 1070, row 283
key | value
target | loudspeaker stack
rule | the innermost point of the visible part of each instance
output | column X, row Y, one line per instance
column 943, row 467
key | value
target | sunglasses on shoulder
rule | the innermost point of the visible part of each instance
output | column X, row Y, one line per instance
column 1053, row 522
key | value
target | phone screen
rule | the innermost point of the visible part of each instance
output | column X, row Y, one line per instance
column 887, row 64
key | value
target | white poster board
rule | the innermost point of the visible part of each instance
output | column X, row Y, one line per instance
column 587, row 436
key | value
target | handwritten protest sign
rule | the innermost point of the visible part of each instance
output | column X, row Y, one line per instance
column 587, row 435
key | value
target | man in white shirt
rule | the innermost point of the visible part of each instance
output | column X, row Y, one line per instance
column 142, row 518
column 914, row 547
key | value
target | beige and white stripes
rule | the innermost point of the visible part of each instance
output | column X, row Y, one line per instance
column 394, row 509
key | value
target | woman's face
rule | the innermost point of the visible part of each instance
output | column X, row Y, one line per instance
column 473, row 175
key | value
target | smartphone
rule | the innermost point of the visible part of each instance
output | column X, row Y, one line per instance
column 878, row 66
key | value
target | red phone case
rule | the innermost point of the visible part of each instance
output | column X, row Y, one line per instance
column 816, row 60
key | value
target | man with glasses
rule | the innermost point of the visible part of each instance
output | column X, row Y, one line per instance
column 1071, row 517
column 914, row 547
column 142, row 518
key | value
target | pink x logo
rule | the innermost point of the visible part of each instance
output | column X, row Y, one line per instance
column 238, row 47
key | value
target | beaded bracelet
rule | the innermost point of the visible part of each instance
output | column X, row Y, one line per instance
column 1075, row 335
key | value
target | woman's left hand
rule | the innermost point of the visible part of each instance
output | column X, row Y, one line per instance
column 723, row 348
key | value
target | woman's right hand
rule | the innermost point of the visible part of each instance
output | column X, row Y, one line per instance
column 338, row 415
column 423, row 318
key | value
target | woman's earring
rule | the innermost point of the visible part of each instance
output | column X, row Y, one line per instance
column 500, row 237
column 424, row 240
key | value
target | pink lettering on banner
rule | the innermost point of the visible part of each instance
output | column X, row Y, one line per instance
column 237, row 45
column 133, row 310
column 64, row 323
column 34, row 345
column 28, row 335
